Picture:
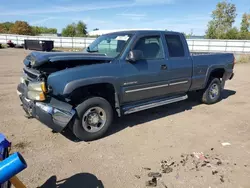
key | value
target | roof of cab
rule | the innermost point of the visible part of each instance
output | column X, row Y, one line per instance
column 132, row 32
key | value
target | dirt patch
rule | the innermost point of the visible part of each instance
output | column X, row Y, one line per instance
column 21, row 145
column 196, row 162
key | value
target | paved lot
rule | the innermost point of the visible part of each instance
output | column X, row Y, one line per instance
column 137, row 141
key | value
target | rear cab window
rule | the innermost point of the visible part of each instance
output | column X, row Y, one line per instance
column 175, row 45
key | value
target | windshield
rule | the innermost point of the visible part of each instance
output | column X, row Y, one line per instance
column 111, row 44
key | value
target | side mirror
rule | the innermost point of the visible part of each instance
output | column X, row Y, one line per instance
column 135, row 55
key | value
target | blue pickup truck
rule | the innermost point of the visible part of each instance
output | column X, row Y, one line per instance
column 119, row 73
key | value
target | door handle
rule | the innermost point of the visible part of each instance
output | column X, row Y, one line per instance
column 164, row 67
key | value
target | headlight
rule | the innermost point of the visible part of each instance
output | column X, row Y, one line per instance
column 22, row 80
column 32, row 62
column 36, row 95
column 36, row 91
column 37, row 86
column 43, row 86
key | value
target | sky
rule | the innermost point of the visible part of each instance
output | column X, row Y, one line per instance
column 175, row 15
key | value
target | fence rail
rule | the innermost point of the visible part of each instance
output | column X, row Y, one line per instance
column 195, row 45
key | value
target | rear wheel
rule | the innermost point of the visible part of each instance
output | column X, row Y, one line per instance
column 212, row 93
column 94, row 117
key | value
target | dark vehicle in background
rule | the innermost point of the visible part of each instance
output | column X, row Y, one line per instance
column 39, row 45
column 119, row 73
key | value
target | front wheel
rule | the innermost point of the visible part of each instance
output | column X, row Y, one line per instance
column 94, row 117
column 212, row 93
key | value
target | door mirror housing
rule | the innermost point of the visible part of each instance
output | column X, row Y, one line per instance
column 135, row 55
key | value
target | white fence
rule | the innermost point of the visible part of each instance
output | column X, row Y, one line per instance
column 212, row 45
column 195, row 45
column 61, row 42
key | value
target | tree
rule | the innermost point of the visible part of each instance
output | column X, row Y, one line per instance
column 232, row 34
column 223, row 18
column 245, row 23
column 2, row 28
column 52, row 30
column 5, row 27
column 189, row 35
column 46, row 30
column 69, row 31
column 75, row 30
column 81, row 29
column 21, row 28
column 245, row 27
column 36, row 30
column 211, row 31
column 43, row 30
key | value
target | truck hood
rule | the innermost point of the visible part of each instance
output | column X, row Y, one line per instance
column 36, row 59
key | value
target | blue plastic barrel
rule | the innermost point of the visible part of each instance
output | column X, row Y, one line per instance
column 4, row 143
column 11, row 166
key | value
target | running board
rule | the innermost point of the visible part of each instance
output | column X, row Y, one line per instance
column 155, row 103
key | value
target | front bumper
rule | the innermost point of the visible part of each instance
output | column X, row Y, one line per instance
column 53, row 113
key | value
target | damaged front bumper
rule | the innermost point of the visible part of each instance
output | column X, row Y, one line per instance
column 53, row 113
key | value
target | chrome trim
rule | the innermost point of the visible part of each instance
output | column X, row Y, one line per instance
column 177, row 83
column 146, row 88
column 130, row 83
column 152, row 105
column 44, row 107
column 18, row 93
column 59, row 117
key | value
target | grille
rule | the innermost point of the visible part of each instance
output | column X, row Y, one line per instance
column 30, row 75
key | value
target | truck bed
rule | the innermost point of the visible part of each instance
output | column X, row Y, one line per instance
column 203, row 64
column 212, row 59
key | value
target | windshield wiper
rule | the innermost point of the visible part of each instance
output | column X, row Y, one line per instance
column 91, row 51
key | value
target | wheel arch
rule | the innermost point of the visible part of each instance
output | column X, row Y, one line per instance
column 102, row 87
column 216, row 71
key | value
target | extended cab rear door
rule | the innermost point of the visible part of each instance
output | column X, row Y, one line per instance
column 180, row 63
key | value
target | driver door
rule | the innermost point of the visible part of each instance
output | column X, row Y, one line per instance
column 147, row 78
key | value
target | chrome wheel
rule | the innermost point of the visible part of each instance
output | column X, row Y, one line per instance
column 214, row 91
column 94, row 119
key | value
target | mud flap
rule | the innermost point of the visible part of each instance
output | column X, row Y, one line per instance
column 223, row 81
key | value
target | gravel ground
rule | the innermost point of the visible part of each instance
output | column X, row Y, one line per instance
column 161, row 140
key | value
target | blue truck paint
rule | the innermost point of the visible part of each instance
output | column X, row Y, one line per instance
column 133, row 83
column 203, row 65
column 39, row 58
column 64, row 82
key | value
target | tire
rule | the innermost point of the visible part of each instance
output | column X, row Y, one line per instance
column 212, row 93
column 94, row 117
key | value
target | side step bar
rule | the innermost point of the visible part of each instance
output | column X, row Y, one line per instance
column 152, row 104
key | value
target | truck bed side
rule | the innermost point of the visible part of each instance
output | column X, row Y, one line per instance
column 204, row 65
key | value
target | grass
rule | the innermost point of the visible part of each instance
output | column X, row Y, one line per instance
column 3, row 46
column 244, row 58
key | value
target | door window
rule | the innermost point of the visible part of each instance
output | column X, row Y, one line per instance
column 151, row 46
